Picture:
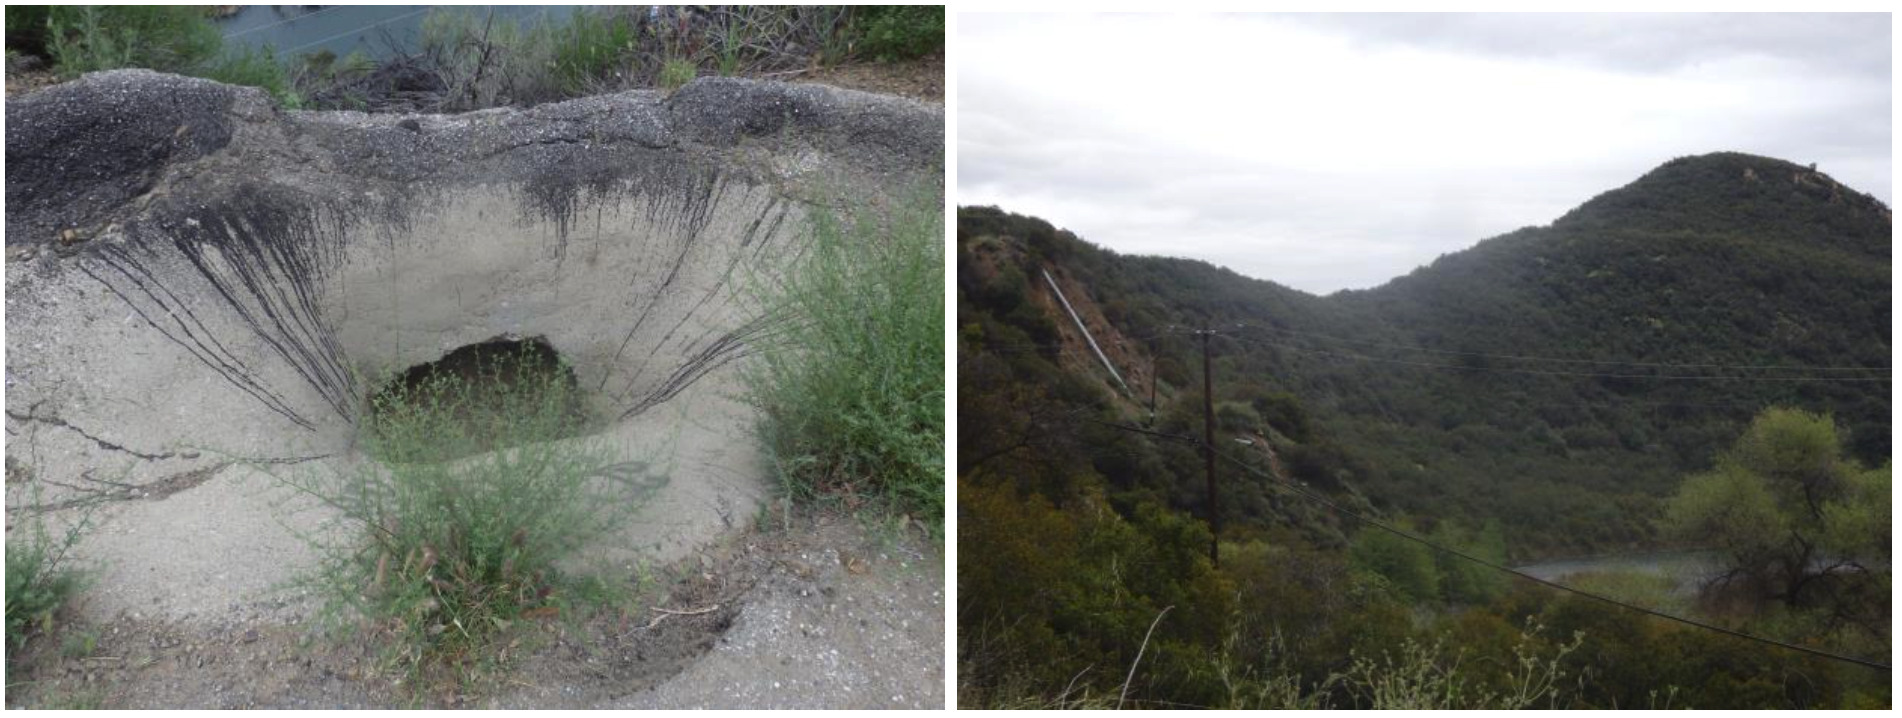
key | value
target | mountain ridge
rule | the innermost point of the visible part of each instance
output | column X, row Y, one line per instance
column 1428, row 388
column 1721, row 176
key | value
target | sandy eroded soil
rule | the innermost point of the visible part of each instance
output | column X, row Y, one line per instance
column 824, row 614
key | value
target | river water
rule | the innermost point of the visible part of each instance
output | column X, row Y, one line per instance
column 1688, row 568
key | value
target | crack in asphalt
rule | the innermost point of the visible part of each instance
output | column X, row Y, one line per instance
column 61, row 423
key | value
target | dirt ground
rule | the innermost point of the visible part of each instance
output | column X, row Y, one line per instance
column 825, row 613
column 921, row 79
column 29, row 80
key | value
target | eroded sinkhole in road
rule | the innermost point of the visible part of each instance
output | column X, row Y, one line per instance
column 225, row 315
column 477, row 398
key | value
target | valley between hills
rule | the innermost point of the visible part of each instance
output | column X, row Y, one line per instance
column 1697, row 362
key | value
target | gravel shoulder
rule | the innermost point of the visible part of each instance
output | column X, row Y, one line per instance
column 817, row 612
column 839, row 618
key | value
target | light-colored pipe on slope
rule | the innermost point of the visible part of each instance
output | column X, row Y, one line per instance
column 1086, row 333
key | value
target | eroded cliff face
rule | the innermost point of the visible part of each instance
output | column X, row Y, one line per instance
column 199, row 285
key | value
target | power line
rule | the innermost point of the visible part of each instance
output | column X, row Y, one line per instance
column 1208, row 449
column 1275, row 481
column 1311, row 496
column 1027, row 348
column 1732, row 406
column 1150, row 432
column 384, row 21
column 1539, row 372
column 250, row 30
column 1565, row 360
column 1278, row 482
column 1015, row 348
column 1177, row 330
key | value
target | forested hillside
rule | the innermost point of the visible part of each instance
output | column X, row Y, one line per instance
column 1544, row 393
column 1648, row 310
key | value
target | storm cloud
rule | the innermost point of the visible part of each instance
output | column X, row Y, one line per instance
column 1329, row 152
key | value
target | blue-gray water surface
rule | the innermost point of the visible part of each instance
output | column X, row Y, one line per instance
column 1687, row 567
column 378, row 31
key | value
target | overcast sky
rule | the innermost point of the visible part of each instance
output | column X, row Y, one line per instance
column 1329, row 152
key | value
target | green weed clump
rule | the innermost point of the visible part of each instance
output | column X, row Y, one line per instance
column 854, row 397
column 473, row 499
column 167, row 38
column 591, row 47
column 1419, row 677
column 1416, row 676
column 254, row 67
column 41, row 577
column 483, row 61
column 676, row 73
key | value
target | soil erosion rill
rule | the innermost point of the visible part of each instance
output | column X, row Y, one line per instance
column 201, row 285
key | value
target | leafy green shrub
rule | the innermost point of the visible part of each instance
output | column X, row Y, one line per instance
column 1407, row 566
column 854, row 397
column 445, row 550
column 900, row 32
column 1781, row 496
column 1285, row 413
column 1463, row 582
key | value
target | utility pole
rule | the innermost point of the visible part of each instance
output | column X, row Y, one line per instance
column 1152, row 384
column 1208, row 448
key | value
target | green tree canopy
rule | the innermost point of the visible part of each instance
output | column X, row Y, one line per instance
column 1794, row 519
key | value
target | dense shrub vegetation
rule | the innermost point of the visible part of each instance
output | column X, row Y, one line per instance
column 1570, row 464
column 853, row 391
column 899, row 32
column 1074, row 535
column 471, row 59
column 179, row 39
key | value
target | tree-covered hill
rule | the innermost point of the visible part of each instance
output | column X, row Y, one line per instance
column 1557, row 379
column 1544, row 393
